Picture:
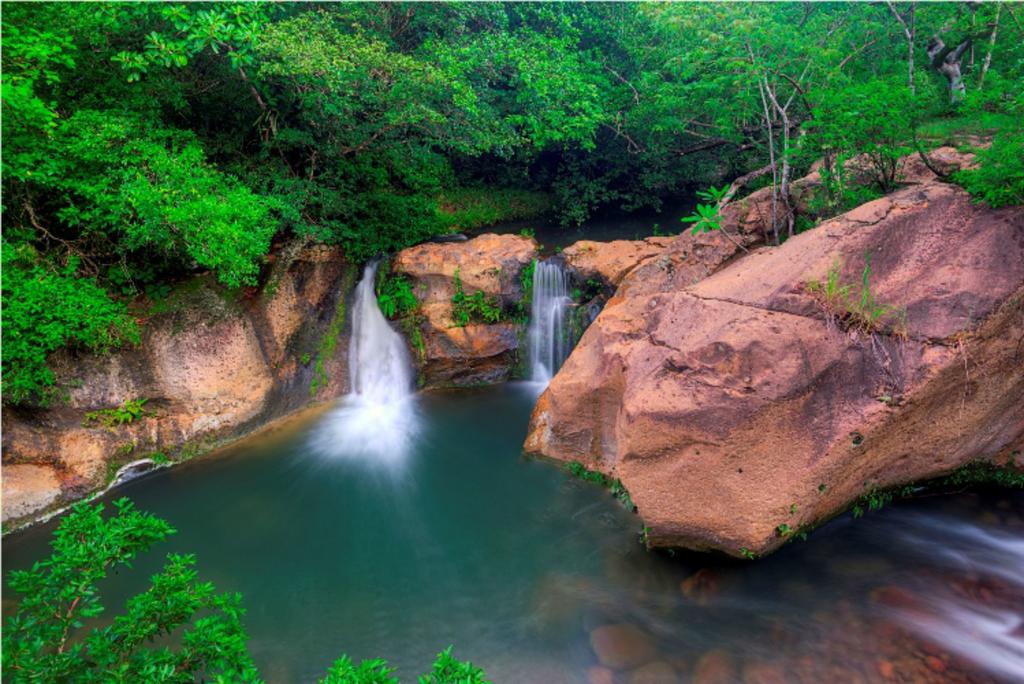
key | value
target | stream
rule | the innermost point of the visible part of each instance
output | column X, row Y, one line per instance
column 524, row 568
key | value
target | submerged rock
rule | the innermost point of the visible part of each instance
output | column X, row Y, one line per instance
column 658, row 672
column 714, row 667
column 476, row 353
column 621, row 646
column 740, row 407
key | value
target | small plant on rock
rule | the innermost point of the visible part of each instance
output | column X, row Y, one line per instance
column 128, row 412
column 474, row 308
column 863, row 312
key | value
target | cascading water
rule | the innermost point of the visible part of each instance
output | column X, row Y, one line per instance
column 378, row 417
column 548, row 334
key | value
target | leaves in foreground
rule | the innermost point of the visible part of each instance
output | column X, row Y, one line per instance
column 178, row 630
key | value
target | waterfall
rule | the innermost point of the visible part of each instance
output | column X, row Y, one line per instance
column 549, row 334
column 378, row 417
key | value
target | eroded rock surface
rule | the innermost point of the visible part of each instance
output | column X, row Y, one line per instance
column 477, row 353
column 737, row 411
column 210, row 368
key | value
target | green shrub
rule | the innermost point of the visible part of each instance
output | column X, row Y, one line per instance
column 999, row 179
column 468, row 208
column 873, row 121
column 47, row 307
column 344, row 671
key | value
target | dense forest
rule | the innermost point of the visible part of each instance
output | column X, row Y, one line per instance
column 144, row 143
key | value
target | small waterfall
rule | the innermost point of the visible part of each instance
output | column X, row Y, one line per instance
column 378, row 417
column 549, row 334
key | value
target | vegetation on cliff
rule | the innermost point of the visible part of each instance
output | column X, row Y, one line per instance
column 145, row 142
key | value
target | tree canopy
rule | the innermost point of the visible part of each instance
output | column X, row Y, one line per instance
column 146, row 142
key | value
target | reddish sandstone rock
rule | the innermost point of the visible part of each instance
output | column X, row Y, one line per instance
column 477, row 353
column 609, row 262
column 29, row 488
column 730, row 405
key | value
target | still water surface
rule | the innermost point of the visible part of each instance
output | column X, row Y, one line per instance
column 527, row 571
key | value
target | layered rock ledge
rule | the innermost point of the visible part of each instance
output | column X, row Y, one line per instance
column 737, row 408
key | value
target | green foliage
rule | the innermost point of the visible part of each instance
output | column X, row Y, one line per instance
column 344, row 671
column 394, row 295
column 47, row 639
column 469, row 208
column 783, row 530
column 863, row 129
column 707, row 217
column 448, row 670
column 474, row 308
column 999, row 179
column 445, row 670
column 981, row 472
column 128, row 412
column 46, row 307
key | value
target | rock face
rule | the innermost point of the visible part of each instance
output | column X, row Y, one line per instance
column 609, row 262
column 210, row 369
column 476, row 353
column 739, row 406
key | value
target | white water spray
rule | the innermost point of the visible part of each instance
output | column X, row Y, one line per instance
column 378, row 417
column 549, row 334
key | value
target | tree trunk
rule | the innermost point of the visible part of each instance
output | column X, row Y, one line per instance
column 910, row 47
column 773, row 164
column 947, row 62
column 909, row 26
column 786, row 168
column 991, row 45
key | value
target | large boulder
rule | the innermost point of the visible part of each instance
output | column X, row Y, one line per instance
column 477, row 353
column 211, row 366
column 745, row 405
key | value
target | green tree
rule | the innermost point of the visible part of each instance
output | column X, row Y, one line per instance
column 56, row 634
column 42, row 641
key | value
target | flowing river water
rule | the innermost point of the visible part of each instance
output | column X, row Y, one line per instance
column 449, row 536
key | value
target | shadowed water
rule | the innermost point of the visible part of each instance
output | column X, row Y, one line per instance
column 516, row 563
